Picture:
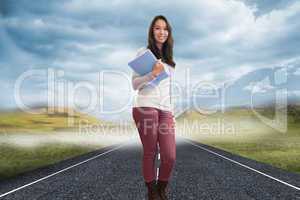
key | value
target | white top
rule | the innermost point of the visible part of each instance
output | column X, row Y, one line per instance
column 158, row 96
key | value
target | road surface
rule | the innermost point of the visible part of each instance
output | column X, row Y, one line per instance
column 200, row 172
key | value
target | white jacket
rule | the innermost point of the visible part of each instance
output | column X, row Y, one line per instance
column 159, row 96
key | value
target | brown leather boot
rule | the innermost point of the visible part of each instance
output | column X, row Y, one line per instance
column 162, row 189
column 152, row 190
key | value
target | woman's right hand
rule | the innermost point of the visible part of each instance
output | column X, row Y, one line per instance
column 158, row 67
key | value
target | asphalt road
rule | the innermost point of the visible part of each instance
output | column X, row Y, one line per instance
column 201, row 172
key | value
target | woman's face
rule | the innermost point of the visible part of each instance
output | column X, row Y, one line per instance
column 160, row 31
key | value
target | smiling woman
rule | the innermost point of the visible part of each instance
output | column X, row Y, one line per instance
column 153, row 111
column 160, row 39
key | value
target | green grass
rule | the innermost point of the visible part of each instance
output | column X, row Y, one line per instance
column 252, row 138
column 18, row 159
column 15, row 160
column 279, row 152
column 68, row 119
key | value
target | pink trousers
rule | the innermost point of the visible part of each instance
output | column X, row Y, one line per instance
column 156, row 127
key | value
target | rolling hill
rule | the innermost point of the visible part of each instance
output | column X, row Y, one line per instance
column 44, row 119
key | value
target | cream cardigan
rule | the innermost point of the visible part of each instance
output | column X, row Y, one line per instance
column 154, row 96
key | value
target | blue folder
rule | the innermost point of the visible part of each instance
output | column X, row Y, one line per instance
column 143, row 64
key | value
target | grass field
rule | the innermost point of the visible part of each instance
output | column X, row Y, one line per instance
column 58, row 119
column 251, row 138
column 15, row 160
column 29, row 141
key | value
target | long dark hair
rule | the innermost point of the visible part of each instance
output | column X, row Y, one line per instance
column 167, row 50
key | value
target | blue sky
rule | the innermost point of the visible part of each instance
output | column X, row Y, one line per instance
column 215, row 41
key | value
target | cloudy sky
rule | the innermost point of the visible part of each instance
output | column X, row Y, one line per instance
column 87, row 45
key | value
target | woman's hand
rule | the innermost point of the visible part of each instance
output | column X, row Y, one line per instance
column 158, row 67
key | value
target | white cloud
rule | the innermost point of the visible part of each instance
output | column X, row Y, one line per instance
column 260, row 87
column 217, row 40
column 235, row 73
column 297, row 72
